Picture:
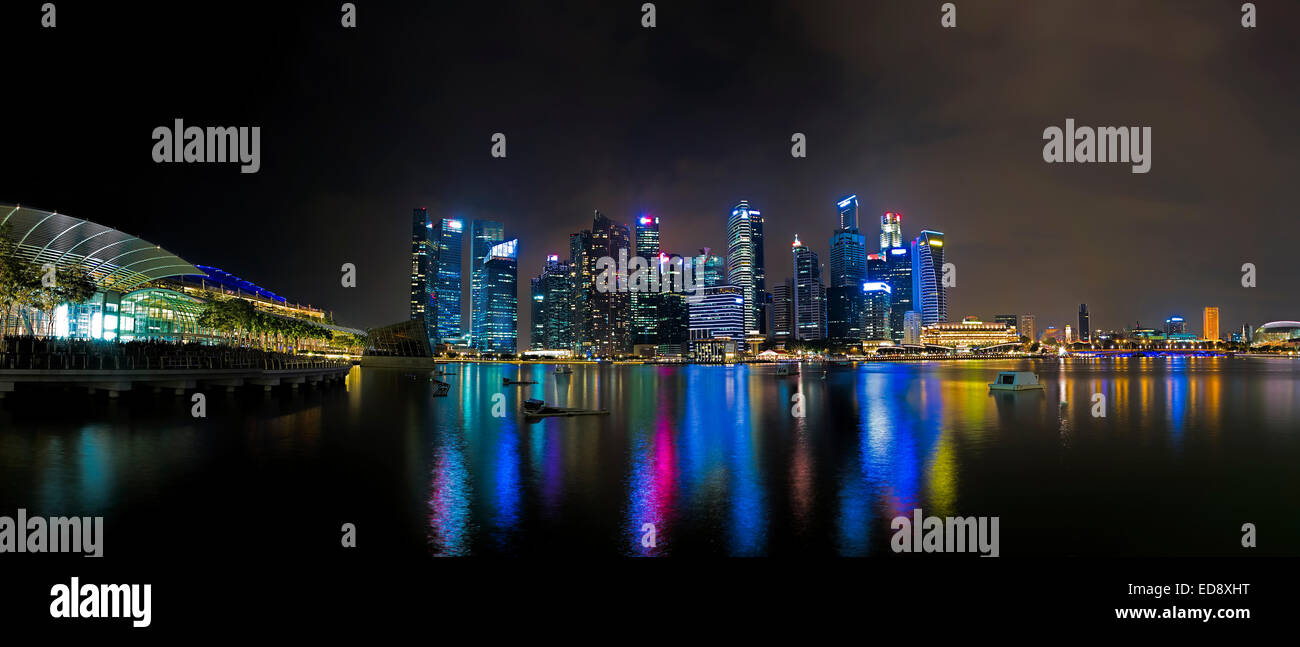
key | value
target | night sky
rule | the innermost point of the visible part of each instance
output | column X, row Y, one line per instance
column 681, row 121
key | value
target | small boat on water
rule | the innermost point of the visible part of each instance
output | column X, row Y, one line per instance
column 563, row 370
column 505, row 381
column 534, row 408
column 786, row 369
column 440, row 388
column 1015, row 381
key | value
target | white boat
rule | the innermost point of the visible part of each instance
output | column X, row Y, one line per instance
column 1015, row 381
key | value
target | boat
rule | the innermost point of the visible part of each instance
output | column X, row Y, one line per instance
column 505, row 381
column 1015, row 381
column 563, row 370
column 786, row 369
column 534, row 408
column 440, row 388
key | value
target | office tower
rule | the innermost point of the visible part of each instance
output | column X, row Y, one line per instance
column 845, row 311
column 421, row 263
column 1175, row 325
column 848, row 259
column 1027, row 327
column 1210, row 324
column 745, row 267
column 1009, row 320
column 876, row 311
column 912, row 328
column 1069, row 335
column 485, row 234
column 1085, row 330
column 501, row 284
column 891, row 231
column 809, row 294
column 717, row 311
column 848, row 209
column 446, row 279
column 781, row 328
column 929, row 296
column 603, row 318
column 538, row 327
column 644, row 304
column 877, row 269
column 898, row 274
column 552, row 312
column 673, row 310
column 712, row 267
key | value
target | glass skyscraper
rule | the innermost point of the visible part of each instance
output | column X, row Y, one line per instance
column 552, row 312
column 848, row 208
column 929, row 296
column 486, row 234
column 898, row 274
column 501, row 284
column 645, row 305
column 809, row 294
column 445, row 296
column 891, row 231
column 421, row 263
column 745, row 268
column 717, row 311
column 877, row 310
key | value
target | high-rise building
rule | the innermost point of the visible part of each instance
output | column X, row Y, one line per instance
column 421, row 264
column 848, row 209
column 501, row 283
column 1028, row 327
column 845, row 311
column 537, row 299
column 673, row 327
column 713, row 267
column 809, row 294
column 912, row 328
column 603, row 321
column 1175, row 324
column 745, row 266
column 898, row 274
column 644, row 304
column 1009, row 320
column 930, row 297
column 877, row 269
column 1210, row 324
column 1085, row 330
column 781, row 328
column 876, row 311
column 891, row 231
column 717, row 311
column 445, row 296
column 552, row 313
column 485, row 234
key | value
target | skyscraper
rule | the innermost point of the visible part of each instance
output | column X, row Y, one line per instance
column 713, row 267
column 1085, row 330
column 745, row 268
column 929, row 296
column 445, row 296
column 848, row 208
column 1175, row 325
column 552, row 317
column 603, row 317
column 911, row 328
column 1010, row 320
column 717, row 311
column 898, row 274
column 1210, row 324
column 421, row 263
column 877, row 269
column 484, row 235
column 891, row 231
column 673, row 311
column 644, row 304
column 809, row 294
column 876, row 311
column 538, row 300
column 782, row 324
column 845, row 312
column 501, row 284
column 1028, row 327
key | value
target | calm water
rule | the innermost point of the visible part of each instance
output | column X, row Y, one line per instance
column 1188, row 450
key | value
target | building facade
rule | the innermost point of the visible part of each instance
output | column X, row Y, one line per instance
column 485, row 234
column 745, row 263
column 809, row 295
column 445, row 296
column 501, row 287
column 1210, row 324
column 928, row 292
column 898, row 274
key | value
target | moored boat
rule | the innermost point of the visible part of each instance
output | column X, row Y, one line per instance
column 1015, row 381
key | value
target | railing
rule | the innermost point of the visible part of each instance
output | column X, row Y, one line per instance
column 26, row 353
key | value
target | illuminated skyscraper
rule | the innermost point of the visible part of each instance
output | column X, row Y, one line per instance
column 809, row 294
column 501, row 284
column 484, row 235
column 876, row 310
column 1085, row 329
column 421, row 263
column 1028, row 327
column 898, row 274
column 930, row 298
column 1175, row 324
column 911, row 328
column 891, row 231
column 717, row 311
column 782, row 325
column 845, row 310
column 445, row 297
column 1210, row 324
column 645, row 304
column 745, row 267
column 848, row 208
column 552, row 314
column 603, row 321
column 713, row 267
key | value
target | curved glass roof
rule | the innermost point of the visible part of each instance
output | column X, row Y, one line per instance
column 116, row 260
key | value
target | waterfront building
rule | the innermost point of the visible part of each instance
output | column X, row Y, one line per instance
column 745, row 263
column 644, row 305
column 929, row 295
column 876, row 313
column 891, row 231
column 1028, row 327
column 1277, row 333
column 552, row 319
column 809, row 294
column 717, row 311
column 848, row 248
column 537, row 300
column 602, row 318
column 912, row 328
column 445, row 296
column 970, row 334
column 898, row 274
column 484, row 235
column 1009, row 320
column 845, row 314
column 1175, row 324
column 1085, row 330
column 501, row 284
column 714, row 350
column 1210, row 324
column 782, row 324
column 673, row 327
column 1069, row 335
column 421, row 263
